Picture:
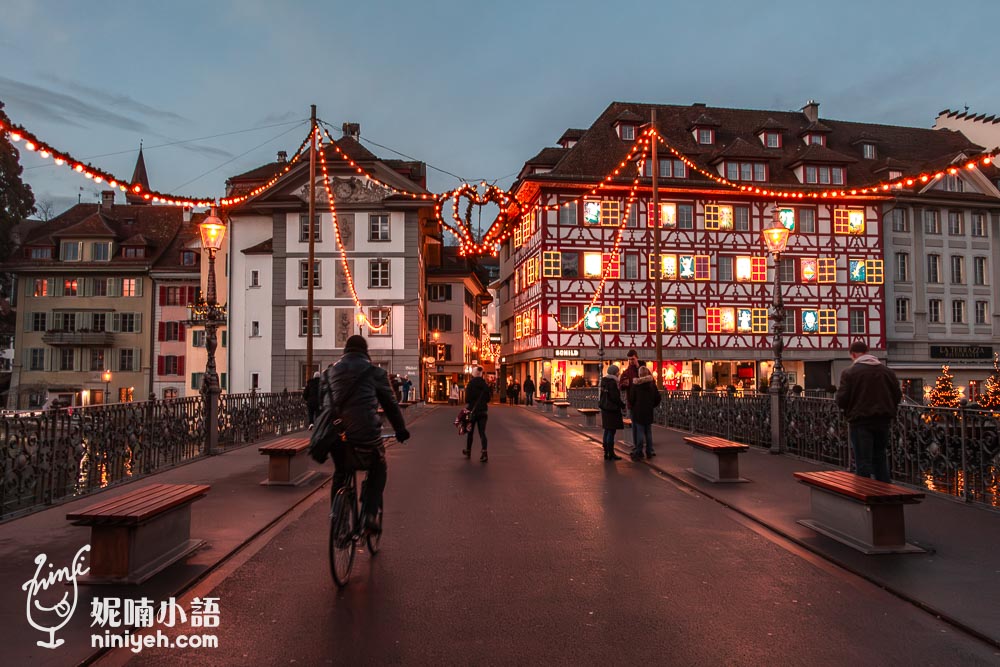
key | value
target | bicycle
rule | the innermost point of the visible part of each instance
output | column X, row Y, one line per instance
column 346, row 529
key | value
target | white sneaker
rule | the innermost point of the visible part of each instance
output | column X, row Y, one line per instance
column 310, row 427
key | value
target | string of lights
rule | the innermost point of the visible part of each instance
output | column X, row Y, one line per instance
column 233, row 201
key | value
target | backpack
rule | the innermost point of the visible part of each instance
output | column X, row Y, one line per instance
column 328, row 429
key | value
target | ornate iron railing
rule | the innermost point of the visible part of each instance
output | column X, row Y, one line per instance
column 950, row 451
column 69, row 452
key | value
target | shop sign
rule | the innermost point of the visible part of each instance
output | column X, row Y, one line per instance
column 567, row 353
column 961, row 352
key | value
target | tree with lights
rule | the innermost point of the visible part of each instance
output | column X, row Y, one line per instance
column 990, row 398
column 17, row 201
column 944, row 394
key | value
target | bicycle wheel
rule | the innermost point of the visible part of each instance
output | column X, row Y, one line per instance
column 374, row 539
column 343, row 519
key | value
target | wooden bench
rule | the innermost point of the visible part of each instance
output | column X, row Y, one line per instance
column 560, row 407
column 135, row 535
column 287, row 463
column 860, row 512
column 590, row 414
column 716, row 459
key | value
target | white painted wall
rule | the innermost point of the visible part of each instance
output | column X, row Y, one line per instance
column 249, row 303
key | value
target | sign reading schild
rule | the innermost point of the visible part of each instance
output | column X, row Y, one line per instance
column 961, row 351
column 567, row 353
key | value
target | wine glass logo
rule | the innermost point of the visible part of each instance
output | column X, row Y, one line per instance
column 57, row 615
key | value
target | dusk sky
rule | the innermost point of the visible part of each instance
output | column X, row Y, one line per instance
column 469, row 88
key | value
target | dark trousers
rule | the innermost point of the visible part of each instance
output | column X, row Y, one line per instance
column 312, row 410
column 374, row 485
column 609, row 440
column 529, row 398
column 478, row 423
column 870, row 443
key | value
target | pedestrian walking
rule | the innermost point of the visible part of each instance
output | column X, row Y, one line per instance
column 545, row 389
column 395, row 383
column 407, row 387
column 611, row 405
column 529, row 391
column 513, row 391
column 477, row 399
column 453, row 395
column 643, row 397
column 869, row 394
column 625, row 380
column 311, row 396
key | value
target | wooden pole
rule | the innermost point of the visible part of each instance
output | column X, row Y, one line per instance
column 312, row 242
column 654, row 219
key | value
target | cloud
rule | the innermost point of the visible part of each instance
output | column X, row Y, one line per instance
column 276, row 117
column 117, row 100
column 71, row 108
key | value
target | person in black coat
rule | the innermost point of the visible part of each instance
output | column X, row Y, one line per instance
column 545, row 389
column 311, row 396
column 529, row 391
column 643, row 397
column 477, row 401
column 612, row 406
column 513, row 391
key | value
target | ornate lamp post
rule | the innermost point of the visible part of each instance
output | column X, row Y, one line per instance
column 209, row 313
column 775, row 239
column 106, row 377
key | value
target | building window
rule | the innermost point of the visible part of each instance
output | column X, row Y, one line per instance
column 902, row 267
column 378, row 227
column 41, row 253
column 932, row 222
column 686, row 320
column 38, row 321
column 568, row 213
column 958, row 311
column 66, row 356
column 36, row 359
column 746, row 171
column 439, row 292
column 170, row 393
column 70, row 286
column 128, row 323
column 170, row 365
column 685, row 216
column 41, row 287
column 705, row 136
column 304, row 228
column 741, row 218
column 568, row 315
column 631, row 266
column 626, row 132
column 815, row 139
column 787, row 270
column 592, row 265
column 99, row 286
column 99, row 322
column 669, row 168
column 66, row 321
column 902, row 310
column 725, row 269
column 857, row 322
column 933, row 268
column 196, row 380
column 171, row 331
column 378, row 273
column 631, row 319
column 772, row 139
column 100, row 251
column 198, row 338
column 806, row 219
column 570, row 265
column 126, row 359
column 126, row 394
column 130, row 287
column 304, row 322
column 868, row 151
column 381, row 321
column 953, row 183
column 897, row 220
column 134, row 252
column 70, row 251
column 956, row 223
column 934, row 311
column 979, row 267
column 255, row 278
column 824, row 175
column 439, row 322
column 97, row 360
column 254, row 381
column 982, row 312
column 979, row 224
column 304, row 274
column 189, row 258
column 957, row 270
column 255, row 329
column 173, row 296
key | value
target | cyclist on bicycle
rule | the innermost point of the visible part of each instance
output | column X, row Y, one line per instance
column 359, row 387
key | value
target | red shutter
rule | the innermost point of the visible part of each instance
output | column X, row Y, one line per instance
column 180, row 333
column 192, row 293
column 162, row 331
column 180, row 366
column 163, row 297
column 160, row 363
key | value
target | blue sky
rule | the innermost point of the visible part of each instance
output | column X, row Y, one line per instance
column 472, row 89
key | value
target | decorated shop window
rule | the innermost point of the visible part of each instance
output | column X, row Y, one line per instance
column 592, row 264
column 828, row 322
column 807, row 269
column 810, row 321
column 759, row 320
column 744, row 320
column 592, row 319
column 858, row 271
column 826, row 269
column 611, row 265
column 718, row 217
column 552, row 264
column 875, row 274
column 701, row 267
column 668, row 215
column 848, row 221
column 787, row 218
column 611, row 319
column 686, row 267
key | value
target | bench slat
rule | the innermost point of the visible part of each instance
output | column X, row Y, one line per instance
column 285, row 445
column 715, row 443
column 860, row 488
column 141, row 504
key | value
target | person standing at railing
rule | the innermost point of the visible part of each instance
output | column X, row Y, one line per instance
column 311, row 396
column 869, row 395
column 643, row 397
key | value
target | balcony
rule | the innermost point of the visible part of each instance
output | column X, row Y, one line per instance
column 79, row 338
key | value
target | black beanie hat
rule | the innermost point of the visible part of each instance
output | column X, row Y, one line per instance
column 356, row 345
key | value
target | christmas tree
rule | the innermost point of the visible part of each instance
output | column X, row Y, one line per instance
column 990, row 398
column 944, row 394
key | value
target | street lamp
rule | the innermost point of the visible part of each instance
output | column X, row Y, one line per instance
column 106, row 377
column 775, row 239
column 209, row 313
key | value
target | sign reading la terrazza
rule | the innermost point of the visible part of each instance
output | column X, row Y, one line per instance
column 961, row 351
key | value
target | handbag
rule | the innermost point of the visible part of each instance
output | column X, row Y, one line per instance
column 463, row 421
column 329, row 429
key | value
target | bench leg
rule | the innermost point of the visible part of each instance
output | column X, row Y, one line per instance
column 871, row 529
column 133, row 554
column 591, row 421
column 287, row 470
column 717, row 467
column 561, row 412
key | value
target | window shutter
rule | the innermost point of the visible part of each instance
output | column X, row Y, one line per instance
column 138, row 322
column 180, row 366
column 138, row 286
column 161, row 331
column 57, row 288
column 163, row 296
column 189, row 295
column 225, row 338
column 447, row 292
column 28, row 319
column 136, row 359
column 447, row 318
column 224, row 381
column 161, row 363
column 447, row 352
column 180, row 333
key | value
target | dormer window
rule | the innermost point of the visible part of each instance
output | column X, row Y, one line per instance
column 894, row 174
column 771, row 139
column 705, row 136
column 669, row 168
column 626, row 132
column 824, row 175
column 815, row 139
column 100, row 251
column 189, row 258
column 868, row 151
column 39, row 252
column 746, row 171
column 134, row 252
column 70, row 251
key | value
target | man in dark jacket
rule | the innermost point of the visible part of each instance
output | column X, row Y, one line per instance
column 477, row 402
column 611, row 405
column 311, row 396
column 869, row 394
column 529, row 391
column 643, row 397
column 357, row 387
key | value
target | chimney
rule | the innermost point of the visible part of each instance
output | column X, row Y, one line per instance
column 282, row 156
column 811, row 110
column 107, row 199
column 186, row 215
column 352, row 130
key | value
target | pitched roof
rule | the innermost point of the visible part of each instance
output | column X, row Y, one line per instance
column 571, row 134
column 600, row 150
column 139, row 176
column 769, row 124
column 818, row 153
column 547, row 156
column 262, row 248
column 96, row 226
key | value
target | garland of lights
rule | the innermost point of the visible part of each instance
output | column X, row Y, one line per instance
column 233, row 201
column 499, row 231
